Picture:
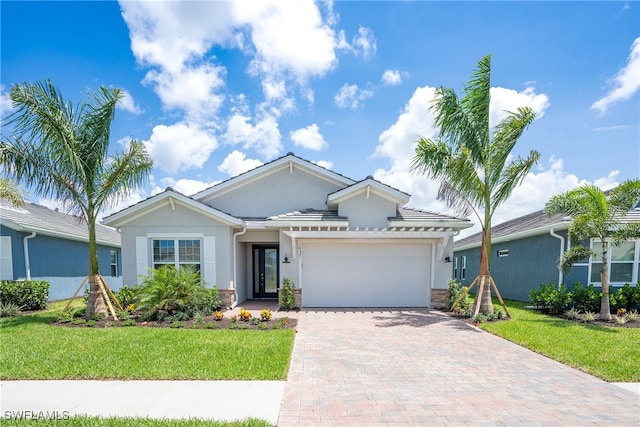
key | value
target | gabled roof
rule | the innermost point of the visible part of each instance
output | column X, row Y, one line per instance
column 368, row 185
column 419, row 218
column 532, row 224
column 290, row 161
column 168, row 197
column 44, row 221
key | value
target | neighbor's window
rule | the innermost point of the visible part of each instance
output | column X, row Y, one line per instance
column 114, row 263
column 187, row 253
column 621, row 261
column 463, row 269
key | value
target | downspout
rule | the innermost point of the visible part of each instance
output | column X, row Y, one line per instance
column 557, row 236
column 25, row 247
column 235, row 264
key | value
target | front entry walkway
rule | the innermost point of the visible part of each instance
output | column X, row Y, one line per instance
column 415, row 367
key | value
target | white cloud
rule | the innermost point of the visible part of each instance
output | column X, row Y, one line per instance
column 263, row 137
column 364, row 43
column 350, row 96
column 504, row 100
column 184, row 186
column 127, row 103
column 236, row 163
column 625, row 83
column 391, row 78
column 6, row 106
column 180, row 146
column 309, row 138
column 324, row 163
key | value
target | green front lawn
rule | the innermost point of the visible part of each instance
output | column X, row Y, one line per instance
column 610, row 353
column 33, row 349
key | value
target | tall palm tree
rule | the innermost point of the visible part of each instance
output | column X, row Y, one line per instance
column 61, row 151
column 601, row 216
column 472, row 161
column 10, row 192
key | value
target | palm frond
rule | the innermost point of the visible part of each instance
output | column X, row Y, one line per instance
column 513, row 176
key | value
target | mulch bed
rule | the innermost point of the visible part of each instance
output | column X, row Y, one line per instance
column 208, row 322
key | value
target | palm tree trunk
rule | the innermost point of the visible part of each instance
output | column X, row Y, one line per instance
column 95, row 304
column 483, row 298
column 605, row 310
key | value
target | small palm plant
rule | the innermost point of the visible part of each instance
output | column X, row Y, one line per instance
column 171, row 289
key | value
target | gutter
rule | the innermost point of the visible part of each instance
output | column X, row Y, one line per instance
column 557, row 236
column 235, row 264
column 25, row 247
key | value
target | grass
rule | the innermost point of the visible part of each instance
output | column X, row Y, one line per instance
column 610, row 353
column 83, row 421
column 33, row 349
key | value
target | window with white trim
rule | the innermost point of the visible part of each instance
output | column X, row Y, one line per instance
column 463, row 267
column 114, row 263
column 623, row 262
column 455, row 267
column 187, row 252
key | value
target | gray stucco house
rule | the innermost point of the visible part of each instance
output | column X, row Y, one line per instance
column 37, row 243
column 344, row 243
column 526, row 251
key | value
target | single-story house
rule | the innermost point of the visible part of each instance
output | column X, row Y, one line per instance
column 344, row 243
column 526, row 250
column 37, row 243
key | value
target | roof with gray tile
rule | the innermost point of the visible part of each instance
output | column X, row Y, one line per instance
column 409, row 214
column 33, row 217
column 310, row 215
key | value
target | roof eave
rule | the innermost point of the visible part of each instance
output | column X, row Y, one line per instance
column 519, row 235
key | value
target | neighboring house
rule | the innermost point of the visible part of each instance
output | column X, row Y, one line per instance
column 344, row 243
column 37, row 243
column 525, row 253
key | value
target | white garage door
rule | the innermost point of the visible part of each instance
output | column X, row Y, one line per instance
column 340, row 274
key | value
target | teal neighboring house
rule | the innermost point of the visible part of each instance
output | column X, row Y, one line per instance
column 37, row 243
column 525, row 253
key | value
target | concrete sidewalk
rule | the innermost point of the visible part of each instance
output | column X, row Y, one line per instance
column 219, row 400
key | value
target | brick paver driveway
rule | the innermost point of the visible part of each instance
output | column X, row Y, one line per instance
column 414, row 367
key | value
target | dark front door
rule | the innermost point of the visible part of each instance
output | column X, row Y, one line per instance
column 265, row 271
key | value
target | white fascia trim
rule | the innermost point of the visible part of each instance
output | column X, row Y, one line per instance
column 377, row 188
column 56, row 234
column 302, row 223
column 169, row 198
column 516, row 236
column 264, row 171
column 175, row 235
column 367, row 234
column 458, row 225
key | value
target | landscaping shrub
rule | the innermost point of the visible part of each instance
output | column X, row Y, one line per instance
column 126, row 296
column 172, row 290
column 28, row 294
column 210, row 301
column 627, row 297
column 550, row 297
column 287, row 297
column 585, row 299
column 454, row 292
column 9, row 309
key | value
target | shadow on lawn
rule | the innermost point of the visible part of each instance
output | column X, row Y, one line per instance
column 27, row 319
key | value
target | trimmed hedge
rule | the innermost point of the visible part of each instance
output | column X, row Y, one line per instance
column 27, row 294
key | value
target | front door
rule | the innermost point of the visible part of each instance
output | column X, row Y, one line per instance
column 265, row 271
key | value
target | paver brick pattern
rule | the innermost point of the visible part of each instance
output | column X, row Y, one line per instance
column 416, row 367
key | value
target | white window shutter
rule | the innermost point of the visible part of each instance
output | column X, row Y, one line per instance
column 209, row 260
column 142, row 258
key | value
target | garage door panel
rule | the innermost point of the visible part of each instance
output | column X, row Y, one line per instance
column 366, row 274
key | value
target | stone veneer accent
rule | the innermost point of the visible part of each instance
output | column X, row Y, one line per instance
column 439, row 299
column 297, row 295
column 227, row 297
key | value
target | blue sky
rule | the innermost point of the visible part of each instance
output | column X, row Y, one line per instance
column 216, row 88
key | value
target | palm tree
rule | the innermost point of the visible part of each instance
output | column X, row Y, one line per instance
column 597, row 215
column 10, row 192
column 61, row 151
column 473, row 162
